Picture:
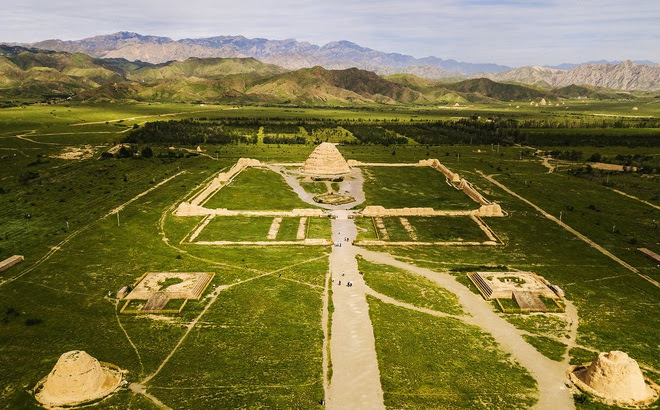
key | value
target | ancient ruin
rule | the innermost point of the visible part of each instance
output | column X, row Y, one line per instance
column 158, row 288
column 525, row 288
column 11, row 261
column 77, row 378
column 325, row 160
column 615, row 377
column 327, row 164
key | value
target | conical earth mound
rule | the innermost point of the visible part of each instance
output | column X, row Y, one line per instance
column 77, row 378
column 325, row 160
column 616, row 376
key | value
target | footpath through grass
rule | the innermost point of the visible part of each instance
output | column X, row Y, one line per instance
column 431, row 362
column 409, row 288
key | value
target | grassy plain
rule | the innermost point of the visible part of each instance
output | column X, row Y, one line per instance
column 236, row 229
column 433, row 362
column 412, row 187
column 246, row 192
column 260, row 342
column 408, row 288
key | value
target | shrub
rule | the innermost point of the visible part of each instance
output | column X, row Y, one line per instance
column 33, row 321
column 595, row 157
column 124, row 152
column 25, row 177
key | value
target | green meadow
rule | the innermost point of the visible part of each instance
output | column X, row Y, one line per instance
column 91, row 225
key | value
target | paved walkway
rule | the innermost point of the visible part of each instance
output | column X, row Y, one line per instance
column 355, row 380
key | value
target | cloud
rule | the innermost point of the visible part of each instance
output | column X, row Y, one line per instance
column 511, row 32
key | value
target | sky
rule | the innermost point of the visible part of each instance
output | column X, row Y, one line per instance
column 508, row 32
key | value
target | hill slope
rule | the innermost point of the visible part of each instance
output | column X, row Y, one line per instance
column 31, row 74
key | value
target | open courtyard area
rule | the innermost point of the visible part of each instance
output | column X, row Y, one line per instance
column 332, row 271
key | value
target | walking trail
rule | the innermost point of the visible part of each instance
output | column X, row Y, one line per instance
column 549, row 375
column 355, row 380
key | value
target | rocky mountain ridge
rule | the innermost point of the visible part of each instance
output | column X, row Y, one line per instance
column 626, row 76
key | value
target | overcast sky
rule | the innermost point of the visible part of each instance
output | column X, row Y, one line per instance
column 510, row 32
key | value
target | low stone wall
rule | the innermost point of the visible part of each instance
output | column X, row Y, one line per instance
column 490, row 210
column 376, row 210
column 223, row 178
column 188, row 209
column 434, row 163
column 11, row 261
column 412, row 243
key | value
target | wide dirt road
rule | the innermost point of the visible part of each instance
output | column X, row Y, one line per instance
column 355, row 382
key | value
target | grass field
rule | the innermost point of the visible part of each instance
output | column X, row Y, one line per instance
column 319, row 228
column 279, row 367
column 412, row 187
column 431, row 362
column 260, row 343
column 426, row 229
column 246, row 192
column 408, row 288
column 288, row 229
column 236, row 229
column 447, row 229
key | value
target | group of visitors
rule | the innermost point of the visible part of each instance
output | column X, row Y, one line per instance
column 348, row 284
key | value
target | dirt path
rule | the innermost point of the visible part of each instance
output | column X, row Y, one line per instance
column 121, row 326
column 591, row 243
column 635, row 198
column 549, row 375
column 573, row 319
column 139, row 389
column 351, row 186
column 325, row 320
column 355, row 380
column 546, row 163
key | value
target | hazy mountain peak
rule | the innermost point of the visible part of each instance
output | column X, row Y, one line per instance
column 343, row 44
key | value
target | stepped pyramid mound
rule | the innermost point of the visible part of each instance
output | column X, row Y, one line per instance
column 616, row 376
column 77, row 378
column 325, row 160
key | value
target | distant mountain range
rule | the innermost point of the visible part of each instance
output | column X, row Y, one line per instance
column 32, row 74
column 623, row 76
column 570, row 66
column 290, row 54
column 293, row 55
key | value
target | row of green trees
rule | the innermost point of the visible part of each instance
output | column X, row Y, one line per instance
column 472, row 130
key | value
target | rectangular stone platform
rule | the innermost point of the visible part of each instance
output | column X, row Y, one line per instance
column 11, row 261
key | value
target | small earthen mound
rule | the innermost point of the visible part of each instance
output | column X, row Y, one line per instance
column 616, row 377
column 77, row 378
